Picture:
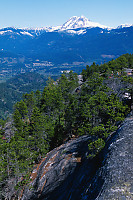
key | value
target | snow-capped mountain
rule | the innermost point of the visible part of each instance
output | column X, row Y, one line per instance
column 77, row 40
column 12, row 31
column 80, row 22
column 76, row 23
column 72, row 26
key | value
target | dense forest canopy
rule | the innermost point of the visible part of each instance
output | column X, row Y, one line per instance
column 66, row 108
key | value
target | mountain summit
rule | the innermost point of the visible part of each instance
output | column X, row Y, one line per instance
column 76, row 23
column 80, row 22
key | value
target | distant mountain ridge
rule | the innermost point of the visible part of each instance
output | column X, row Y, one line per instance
column 76, row 43
column 72, row 24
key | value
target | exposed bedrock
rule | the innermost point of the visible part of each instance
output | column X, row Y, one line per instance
column 66, row 173
column 114, row 179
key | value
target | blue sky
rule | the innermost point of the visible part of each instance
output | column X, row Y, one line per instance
column 42, row 13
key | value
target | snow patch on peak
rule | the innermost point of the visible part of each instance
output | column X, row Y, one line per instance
column 52, row 28
column 124, row 26
column 73, row 31
column 26, row 33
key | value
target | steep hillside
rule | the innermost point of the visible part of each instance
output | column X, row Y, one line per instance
column 91, row 105
column 95, row 44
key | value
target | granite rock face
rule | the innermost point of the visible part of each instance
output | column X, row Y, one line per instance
column 66, row 173
column 60, row 173
column 114, row 179
column 118, row 169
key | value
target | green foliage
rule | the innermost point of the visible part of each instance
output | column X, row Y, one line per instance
column 22, row 109
column 37, row 133
column 112, row 68
column 18, row 122
column 127, row 79
column 95, row 147
column 44, row 120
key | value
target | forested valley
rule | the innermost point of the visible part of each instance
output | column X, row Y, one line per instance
column 67, row 108
column 13, row 89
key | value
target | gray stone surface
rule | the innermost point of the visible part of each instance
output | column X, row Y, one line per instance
column 118, row 168
column 114, row 179
column 53, row 177
column 66, row 173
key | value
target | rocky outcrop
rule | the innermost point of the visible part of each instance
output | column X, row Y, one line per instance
column 66, row 173
column 114, row 179
column 61, row 172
